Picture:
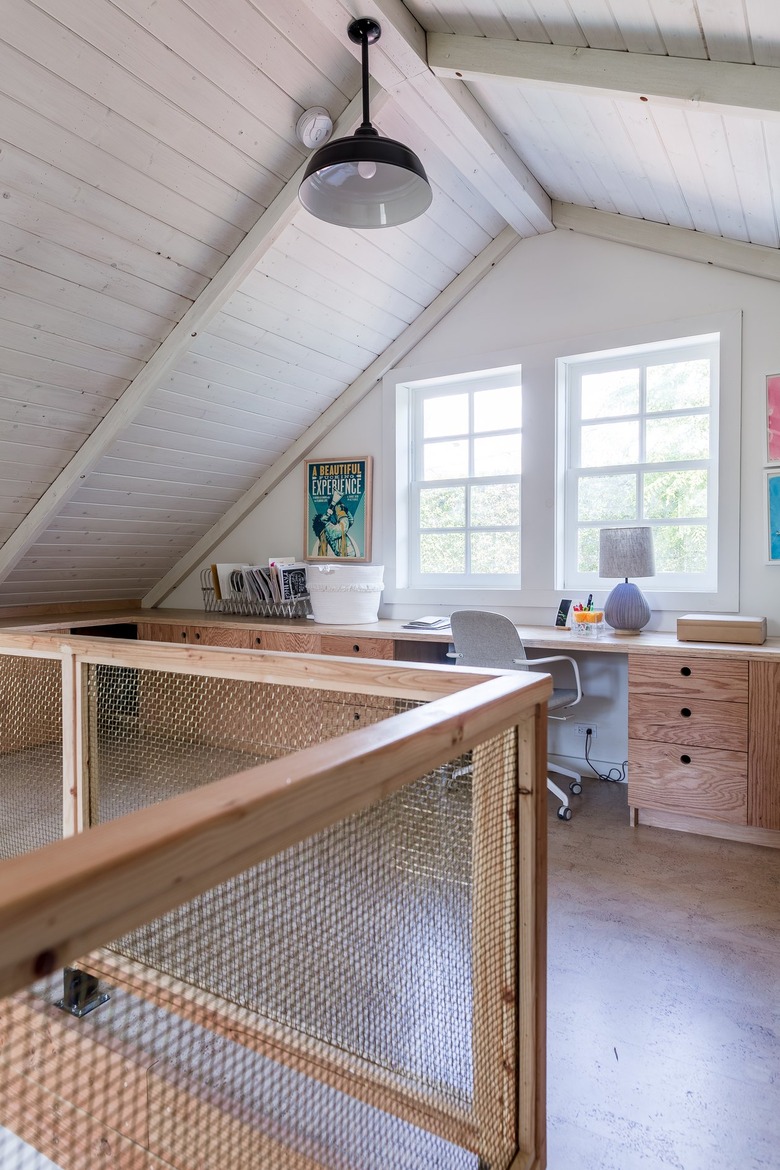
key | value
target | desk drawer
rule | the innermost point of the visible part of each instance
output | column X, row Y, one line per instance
column 692, row 721
column 289, row 641
column 162, row 632
column 718, row 679
column 712, row 784
column 357, row 646
column 219, row 636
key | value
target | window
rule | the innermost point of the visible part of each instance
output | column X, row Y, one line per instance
column 642, row 442
column 638, row 424
column 464, row 481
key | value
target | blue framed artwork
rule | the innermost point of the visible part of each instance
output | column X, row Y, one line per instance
column 772, row 509
column 338, row 509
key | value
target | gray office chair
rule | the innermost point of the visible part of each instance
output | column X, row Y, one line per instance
column 482, row 638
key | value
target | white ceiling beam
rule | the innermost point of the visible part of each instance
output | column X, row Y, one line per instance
column 220, row 288
column 682, row 243
column 445, row 112
column 395, row 352
column 711, row 85
column 457, row 124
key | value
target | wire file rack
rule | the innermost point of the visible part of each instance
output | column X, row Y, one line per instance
column 298, row 608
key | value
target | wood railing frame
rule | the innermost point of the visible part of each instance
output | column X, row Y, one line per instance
column 86, row 890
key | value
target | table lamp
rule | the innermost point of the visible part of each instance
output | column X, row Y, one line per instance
column 626, row 552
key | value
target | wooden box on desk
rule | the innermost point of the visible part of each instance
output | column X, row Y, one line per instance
column 727, row 627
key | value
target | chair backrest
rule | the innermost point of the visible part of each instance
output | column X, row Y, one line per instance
column 483, row 638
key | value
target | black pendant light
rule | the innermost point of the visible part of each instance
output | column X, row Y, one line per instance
column 365, row 181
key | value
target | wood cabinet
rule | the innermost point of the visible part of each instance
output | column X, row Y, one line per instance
column 305, row 641
column 764, row 754
column 356, row 646
column 162, row 632
column 306, row 638
column 238, row 637
column 688, row 736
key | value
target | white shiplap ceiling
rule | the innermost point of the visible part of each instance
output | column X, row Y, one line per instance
column 176, row 332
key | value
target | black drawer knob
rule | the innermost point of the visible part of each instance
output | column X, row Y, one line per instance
column 685, row 712
column 685, row 759
column 686, row 670
column 356, row 648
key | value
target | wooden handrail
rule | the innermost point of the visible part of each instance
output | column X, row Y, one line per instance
column 85, row 891
column 417, row 680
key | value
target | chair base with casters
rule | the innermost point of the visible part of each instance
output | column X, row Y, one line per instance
column 564, row 812
column 485, row 639
column 575, row 787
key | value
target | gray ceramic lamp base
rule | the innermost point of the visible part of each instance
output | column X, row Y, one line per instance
column 626, row 609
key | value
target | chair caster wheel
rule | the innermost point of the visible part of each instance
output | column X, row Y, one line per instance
column 564, row 813
column 575, row 787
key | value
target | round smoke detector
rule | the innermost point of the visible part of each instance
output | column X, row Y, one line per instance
column 314, row 127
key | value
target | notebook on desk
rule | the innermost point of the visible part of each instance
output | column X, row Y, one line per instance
column 432, row 622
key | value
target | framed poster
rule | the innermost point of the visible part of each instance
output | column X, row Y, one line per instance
column 772, row 516
column 773, row 418
column 337, row 515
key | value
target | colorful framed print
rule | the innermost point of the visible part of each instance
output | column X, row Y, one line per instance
column 773, row 418
column 337, row 515
column 772, row 516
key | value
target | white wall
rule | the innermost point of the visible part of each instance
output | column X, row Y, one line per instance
column 577, row 293
column 275, row 527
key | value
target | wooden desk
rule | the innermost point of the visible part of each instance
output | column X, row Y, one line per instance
column 703, row 754
column 703, row 748
column 186, row 623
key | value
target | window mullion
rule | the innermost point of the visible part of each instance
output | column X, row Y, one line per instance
column 642, row 414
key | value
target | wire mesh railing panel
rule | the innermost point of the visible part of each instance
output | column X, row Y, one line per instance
column 350, row 1003
column 324, row 1010
column 155, row 734
column 31, row 768
column 347, row 938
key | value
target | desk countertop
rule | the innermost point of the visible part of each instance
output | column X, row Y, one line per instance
column 536, row 637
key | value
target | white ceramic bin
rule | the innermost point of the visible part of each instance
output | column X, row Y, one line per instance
column 345, row 595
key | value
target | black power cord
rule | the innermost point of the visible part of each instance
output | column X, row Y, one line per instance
column 615, row 775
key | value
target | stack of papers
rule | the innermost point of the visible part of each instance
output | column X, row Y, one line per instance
column 433, row 622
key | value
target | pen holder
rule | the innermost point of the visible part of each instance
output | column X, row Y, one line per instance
column 587, row 623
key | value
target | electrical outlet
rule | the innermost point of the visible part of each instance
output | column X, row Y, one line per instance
column 583, row 729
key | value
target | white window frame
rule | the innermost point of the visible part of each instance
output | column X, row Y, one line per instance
column 403, row 582
column 720, row 588
column 421, row 392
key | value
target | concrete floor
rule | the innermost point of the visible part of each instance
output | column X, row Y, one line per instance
column 17, row 1155
column 664, row 996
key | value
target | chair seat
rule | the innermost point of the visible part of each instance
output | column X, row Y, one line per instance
column 485, row 639
column 561, row 697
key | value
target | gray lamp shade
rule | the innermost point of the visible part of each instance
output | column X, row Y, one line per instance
column 366, row 181
column 626, row 552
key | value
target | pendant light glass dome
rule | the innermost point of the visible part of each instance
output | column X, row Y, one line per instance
column 365, row 181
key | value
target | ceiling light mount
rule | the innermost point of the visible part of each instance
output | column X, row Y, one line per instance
column 365, row 181
column 364, row 28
